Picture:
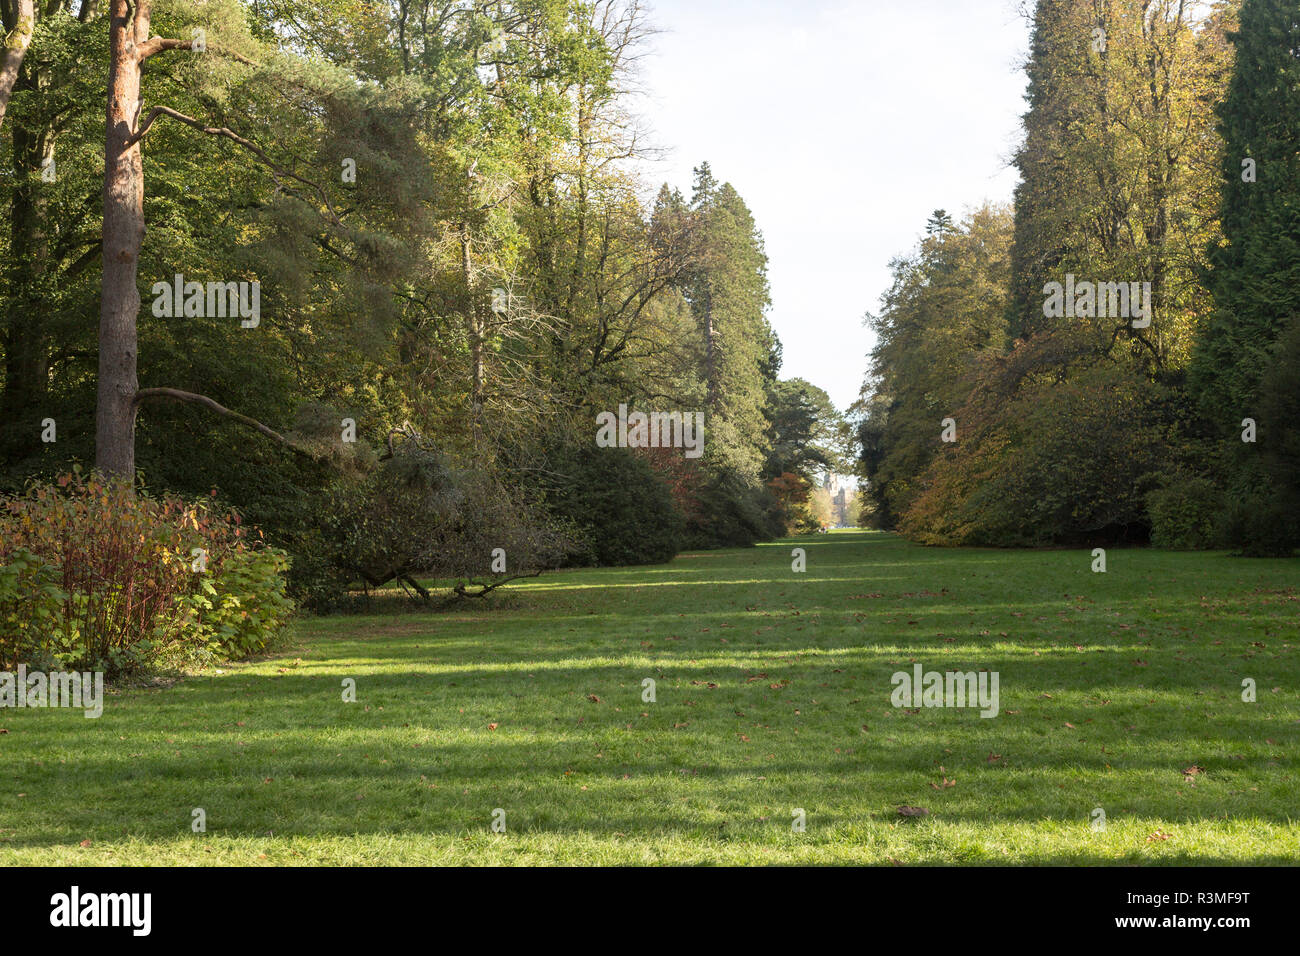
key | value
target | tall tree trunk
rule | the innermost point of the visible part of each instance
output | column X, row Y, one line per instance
column 123, row 239
column 18, row 37
column 473, row 330
column 710, row 355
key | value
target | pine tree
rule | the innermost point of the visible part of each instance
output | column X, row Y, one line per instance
column 1248, row 352
column 1256, row 270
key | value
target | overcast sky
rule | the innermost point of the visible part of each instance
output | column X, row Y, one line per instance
column 843, row 125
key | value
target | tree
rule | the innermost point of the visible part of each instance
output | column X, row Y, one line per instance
column 946, row 305
column 130, row 47
column 1256, row 265
column 804, row 430
column 19, row 20
column 726, row 286
column 1249, row 350
column 1116, row 168
column 51, row 64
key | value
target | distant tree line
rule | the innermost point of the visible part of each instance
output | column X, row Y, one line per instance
column 1161, row 158
column 439, row 203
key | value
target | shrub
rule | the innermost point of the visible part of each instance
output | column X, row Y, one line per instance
column 1061, row 462
column 732, row 511
column 131, row 588
column 242, row 605
column 1260, row 524
column 1184, row 514
column 418, row 514
column 30, row 601
column 622, row 508
column 316, row 580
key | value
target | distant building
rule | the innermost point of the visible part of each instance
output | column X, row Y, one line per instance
column 842, row 497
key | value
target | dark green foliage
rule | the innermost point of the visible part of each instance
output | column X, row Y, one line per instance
column 622, row 510
column 418, row 514
column 1263, row 517
column 1247, row 365
column 732, row 512
column 1279, row 414
column 804, row 430
column 1256, row 269
column 1185, row 513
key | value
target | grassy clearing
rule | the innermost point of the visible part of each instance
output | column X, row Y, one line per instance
column 773, row 693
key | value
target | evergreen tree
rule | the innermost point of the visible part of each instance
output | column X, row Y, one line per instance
column 1246, row 353
column 1256, row 269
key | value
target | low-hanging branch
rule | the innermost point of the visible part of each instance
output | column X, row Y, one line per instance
column 177, row 395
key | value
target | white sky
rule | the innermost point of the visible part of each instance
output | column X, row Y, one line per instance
column 843, row 124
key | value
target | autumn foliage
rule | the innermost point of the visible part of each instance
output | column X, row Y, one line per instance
column 94, row 575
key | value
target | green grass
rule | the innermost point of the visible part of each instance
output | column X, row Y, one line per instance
column 773, row 693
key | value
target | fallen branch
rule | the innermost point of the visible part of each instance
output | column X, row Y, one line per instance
column 461, row 591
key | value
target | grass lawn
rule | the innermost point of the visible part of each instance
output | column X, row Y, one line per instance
column 773, row 693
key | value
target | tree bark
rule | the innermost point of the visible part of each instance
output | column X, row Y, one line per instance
column 473, row 331
column 17, row 39
column 123, row 239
